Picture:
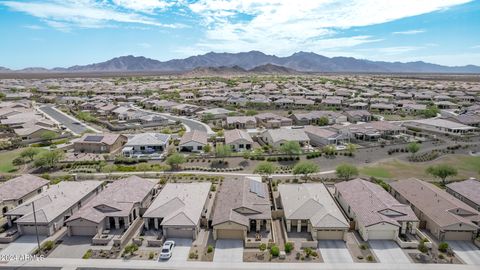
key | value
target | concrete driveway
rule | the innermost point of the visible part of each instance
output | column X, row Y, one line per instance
column 228, row 251
column 180, row 251
column 72, row 247
column 387, row 251
column 334, row 251
column 467, row 251
column 22, row 246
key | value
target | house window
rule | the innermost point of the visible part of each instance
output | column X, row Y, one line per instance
column 240, row 146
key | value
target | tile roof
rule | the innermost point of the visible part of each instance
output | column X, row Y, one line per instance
column 20, row 186
column 234, row 196
column 369, row 202
column 233, row 135
column 180, row 203
column 435, row 203
column 469, row 189
column 312, row 202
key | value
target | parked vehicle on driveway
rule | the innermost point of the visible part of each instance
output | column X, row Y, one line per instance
column 167, row 250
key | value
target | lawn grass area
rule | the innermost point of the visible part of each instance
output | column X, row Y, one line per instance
column 467, row 166
column 6, row 158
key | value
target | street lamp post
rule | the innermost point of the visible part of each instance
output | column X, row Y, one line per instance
column 36, row 227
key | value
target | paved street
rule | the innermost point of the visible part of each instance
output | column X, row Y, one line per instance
column 334, row 251
column 190, row 124
column 72, row 247
column 388, row 251
column 228, row 251
column 69, row 122
column 24, row 245
column 467, row 251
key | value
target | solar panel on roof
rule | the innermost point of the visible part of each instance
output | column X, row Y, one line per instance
column 93, row 138
column 257, row 188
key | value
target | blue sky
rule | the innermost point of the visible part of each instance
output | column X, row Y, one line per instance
column 60, row 33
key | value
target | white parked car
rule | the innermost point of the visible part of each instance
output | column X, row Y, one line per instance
column 167, row 250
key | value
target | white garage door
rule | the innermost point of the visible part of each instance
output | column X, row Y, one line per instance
column 458, row 236
column 83, row 230
column 30, row 229
column 381, row 234
column 179, row 233
column 330, row 235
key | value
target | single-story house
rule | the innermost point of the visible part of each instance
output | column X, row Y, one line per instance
column 371, row 130
column 179, row 209
column 238, row 139
column 323, row 136
column 467, row 191
column 146, row 143
column 116, row 207
column 355, row 116
column 100, row 143
column 440, row 126
column 445, row 216
column 19, row 189
column 270, row 120
column 277, row 137
column 241, row 206
column 216, row 113
column 311, row 208
column 376, row 213
column 241, row 122
column 314, row 117
column 193, row 141
column 52, row 207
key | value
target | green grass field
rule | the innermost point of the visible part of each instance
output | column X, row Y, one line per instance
column 467, row 166
column 6, row 158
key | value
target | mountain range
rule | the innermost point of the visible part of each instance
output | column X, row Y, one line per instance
column 257, row 62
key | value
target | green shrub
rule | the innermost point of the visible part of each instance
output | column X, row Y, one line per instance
column 48, row 245
column 363, row 246
column 87, row 254
column 443, row 246
column 209, row 249
column 422, row 247
column 370, row 258
column 288, row 247
column 151, row 255
column 262, row 247
column 275, row 251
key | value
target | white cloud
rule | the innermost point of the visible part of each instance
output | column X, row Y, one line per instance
column 81, row 13
column 409, row 32
column 288, row 26
column 33, row 27
column 145, row 45
column 148, row 6
column 475, row 47
column 392, row 50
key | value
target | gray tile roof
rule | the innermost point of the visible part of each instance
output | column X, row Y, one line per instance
column 234, row 197
column 232, row 136
column 151, row 139
column 18, row 187
column 196, row 136
column 435, row 203
column 119, row 197
column 369, row 201
column 469, row 189
column 54, row 201
column 311, row 202
column 180, row 204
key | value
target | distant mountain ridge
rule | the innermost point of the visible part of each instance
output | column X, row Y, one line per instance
column 255, row 61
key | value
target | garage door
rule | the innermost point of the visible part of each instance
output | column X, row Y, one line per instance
column 30, row 229
column 458, row 236
column 179, row 233
column 380, row 235
column 83, row 230
column 230, row 234
column 330, row 235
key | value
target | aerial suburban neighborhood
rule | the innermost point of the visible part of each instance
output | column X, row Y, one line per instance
column 273, row 168
column 240, row 134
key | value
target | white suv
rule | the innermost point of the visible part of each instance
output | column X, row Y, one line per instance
column 167, row 250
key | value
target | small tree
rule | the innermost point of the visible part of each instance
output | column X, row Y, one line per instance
column 323, row 121
column 48, row 136
column 442, row 171
column 48, row 159
column 275, row 251
column 288, row 247
column 175, row 160
column 413, row 148
column 305, row 168
column 207, row 148
column 29, row 153
column 222, row 151
column 265, row 168
column 291, row 148
column 443, row 246
column 351, row 149
column 329, row 150
column 346, row 171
